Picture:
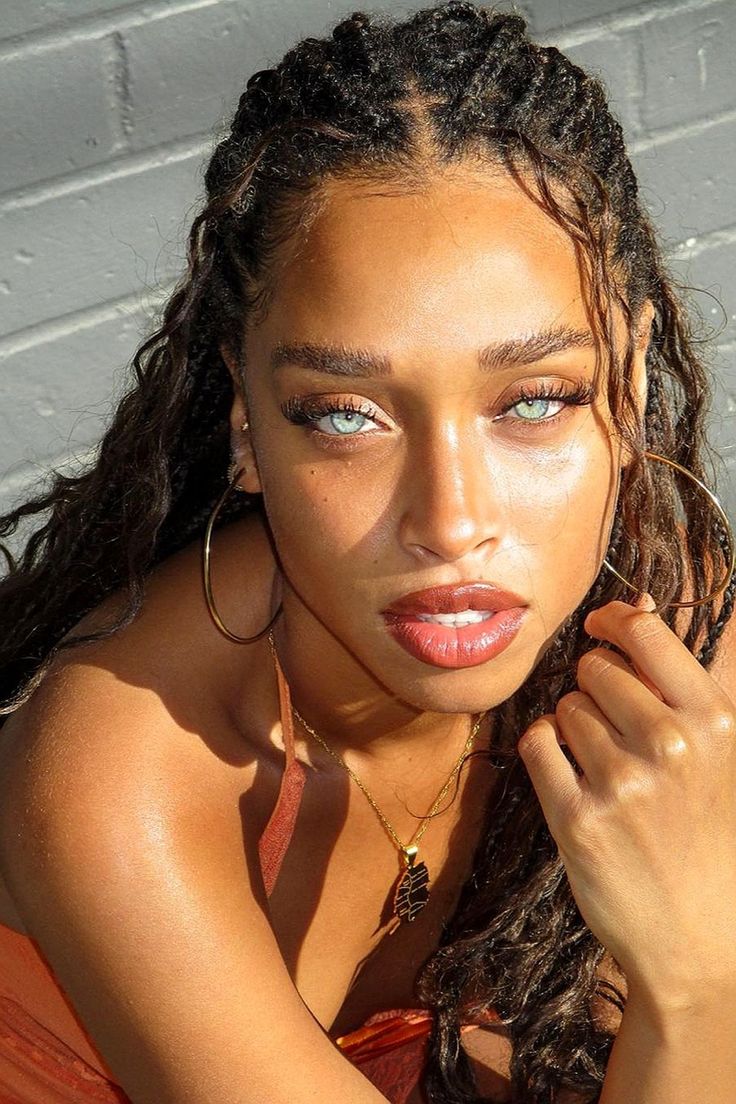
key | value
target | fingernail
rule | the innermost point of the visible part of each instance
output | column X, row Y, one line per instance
column 646, row 603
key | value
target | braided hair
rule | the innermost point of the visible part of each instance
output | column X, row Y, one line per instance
column 381, row 99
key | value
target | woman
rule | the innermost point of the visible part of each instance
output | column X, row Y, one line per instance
column 428, row 792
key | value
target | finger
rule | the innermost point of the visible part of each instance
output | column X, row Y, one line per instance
column 593, row 740
column 654, row 649
column 628, row 705
column 554, row 779
column 645, row 602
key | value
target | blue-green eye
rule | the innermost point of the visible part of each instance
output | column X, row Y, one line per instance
column 535, row 410
column 330, row 417
column 345, row 422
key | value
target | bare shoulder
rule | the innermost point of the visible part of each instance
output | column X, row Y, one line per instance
column 139, row 721
column 170, row 666
column 153, row 713
column 173, row 643
column 128, row 844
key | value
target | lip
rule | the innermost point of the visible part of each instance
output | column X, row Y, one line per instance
column 447, row 646
column 453, row 598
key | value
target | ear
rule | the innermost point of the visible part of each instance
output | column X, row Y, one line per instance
column 642, row 336
column 241, row 444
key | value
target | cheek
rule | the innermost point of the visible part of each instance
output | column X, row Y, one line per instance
column 561, row 510
column 329, row 510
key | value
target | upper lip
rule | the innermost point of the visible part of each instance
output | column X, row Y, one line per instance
column 455, row 598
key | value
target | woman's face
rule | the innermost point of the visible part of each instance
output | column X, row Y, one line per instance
column 416, row 461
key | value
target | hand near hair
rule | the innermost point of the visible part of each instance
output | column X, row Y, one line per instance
column 647, row 832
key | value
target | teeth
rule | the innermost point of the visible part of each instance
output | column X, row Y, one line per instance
column 457, row 620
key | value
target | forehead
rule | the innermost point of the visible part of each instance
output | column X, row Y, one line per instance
column 468, row 259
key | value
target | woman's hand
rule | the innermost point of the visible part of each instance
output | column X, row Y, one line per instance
column 648, row 832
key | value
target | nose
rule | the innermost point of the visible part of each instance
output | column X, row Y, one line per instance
column 449, row 510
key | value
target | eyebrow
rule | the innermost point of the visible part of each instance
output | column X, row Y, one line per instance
column 339, row 360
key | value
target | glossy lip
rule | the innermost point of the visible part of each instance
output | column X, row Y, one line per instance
column 454, row 598
column 449, row 647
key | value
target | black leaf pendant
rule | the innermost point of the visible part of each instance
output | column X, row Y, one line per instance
column 412, row 892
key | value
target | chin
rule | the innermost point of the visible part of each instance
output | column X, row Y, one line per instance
column 468, row 690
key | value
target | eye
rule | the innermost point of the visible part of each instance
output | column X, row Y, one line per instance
column 537, row 410
column 545, row 402
column 330, row 417
column 344, row 422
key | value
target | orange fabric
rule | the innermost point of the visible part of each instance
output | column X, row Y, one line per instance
column 278, row 832
column 47, row 1057
column 391, row 1048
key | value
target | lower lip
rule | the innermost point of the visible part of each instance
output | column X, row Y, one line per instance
column 444, row 646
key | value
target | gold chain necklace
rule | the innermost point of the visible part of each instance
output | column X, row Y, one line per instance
column 412, row 890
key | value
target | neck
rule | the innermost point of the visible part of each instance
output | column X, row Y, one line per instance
column 358, row 715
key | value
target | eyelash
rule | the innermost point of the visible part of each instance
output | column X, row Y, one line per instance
column 301, row 411
column 581, row 394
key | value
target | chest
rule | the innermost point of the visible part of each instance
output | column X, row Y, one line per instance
column 332, row 908
column 332, row 904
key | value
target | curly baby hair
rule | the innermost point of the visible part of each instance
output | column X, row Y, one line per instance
column 396, row 102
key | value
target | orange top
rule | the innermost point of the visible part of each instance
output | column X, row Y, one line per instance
column 47, row 1057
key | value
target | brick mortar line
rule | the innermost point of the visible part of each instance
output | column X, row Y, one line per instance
column 85, row 29
column 662, row 137
column 653, row 11
column 637, row 89
column 703, row 243
column 128, row 164
column 121, row 86
column 86, row 318
column 111, row 62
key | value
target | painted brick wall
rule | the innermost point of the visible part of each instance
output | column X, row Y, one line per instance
column 108, row 112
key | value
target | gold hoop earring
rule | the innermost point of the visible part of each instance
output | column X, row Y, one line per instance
column 729, row 534
column 207, row 578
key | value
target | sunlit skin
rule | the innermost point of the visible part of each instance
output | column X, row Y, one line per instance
column 443, row 483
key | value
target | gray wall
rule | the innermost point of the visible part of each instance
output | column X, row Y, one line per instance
column 108, row 111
